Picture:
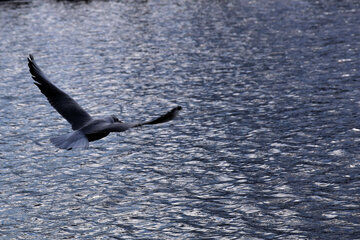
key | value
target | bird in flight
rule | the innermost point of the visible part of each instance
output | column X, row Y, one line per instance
column 86, row 128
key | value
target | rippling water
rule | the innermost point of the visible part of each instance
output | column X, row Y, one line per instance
column 267, row 146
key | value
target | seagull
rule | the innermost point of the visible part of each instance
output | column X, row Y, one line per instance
column 86, row 128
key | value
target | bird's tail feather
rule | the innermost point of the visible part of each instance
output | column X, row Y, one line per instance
column 71, row 141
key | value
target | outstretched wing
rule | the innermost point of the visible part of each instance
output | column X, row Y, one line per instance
column 121, row 127
column 62, row 102
column 164, row 118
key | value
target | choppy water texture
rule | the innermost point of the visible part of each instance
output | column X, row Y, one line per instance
column 267, row 146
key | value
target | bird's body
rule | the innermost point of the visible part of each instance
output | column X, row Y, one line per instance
column 96, row 129
column 86, row 129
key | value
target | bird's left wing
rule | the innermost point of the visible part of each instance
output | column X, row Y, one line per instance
column 62, row 102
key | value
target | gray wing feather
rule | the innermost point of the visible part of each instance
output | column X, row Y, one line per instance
column 162, row 119
column 62, row 102
column 121, row 127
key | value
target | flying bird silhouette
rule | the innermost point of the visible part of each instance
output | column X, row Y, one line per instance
column 86, row 128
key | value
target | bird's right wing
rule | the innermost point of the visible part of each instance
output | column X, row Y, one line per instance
column 121, row 127
column 62, row 102
column 163, row 118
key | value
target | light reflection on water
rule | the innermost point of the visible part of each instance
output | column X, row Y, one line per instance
column 266, row 146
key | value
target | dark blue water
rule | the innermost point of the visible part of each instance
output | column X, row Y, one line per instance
column 267, row 146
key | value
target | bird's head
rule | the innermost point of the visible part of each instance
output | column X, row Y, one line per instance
column 115, row 119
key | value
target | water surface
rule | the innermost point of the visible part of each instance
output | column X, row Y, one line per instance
column 267, row 146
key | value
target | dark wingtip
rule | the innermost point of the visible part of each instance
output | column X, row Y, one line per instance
column 178, row 108
column 164, row 118
column 30, row 58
